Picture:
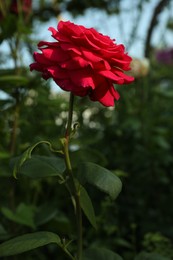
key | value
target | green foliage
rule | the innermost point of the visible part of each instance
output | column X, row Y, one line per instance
column 87, row 206
column 27, row 242
column 101, row 254
column 35, row 165
column 156, row 242
column 76, row 6
column 100, row 178
column 43, row 166
column 150, row 256
column 24, row 215
column 13, row 80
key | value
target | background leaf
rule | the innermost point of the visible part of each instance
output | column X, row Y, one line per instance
column 14, row 80
column 27, row 242
column 45, row 213
column 100, row 254
column 23, row 215
column 150, row 256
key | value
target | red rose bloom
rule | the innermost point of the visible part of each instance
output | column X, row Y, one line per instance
column 84, row 62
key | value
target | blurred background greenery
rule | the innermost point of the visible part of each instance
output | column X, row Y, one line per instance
column 134, row 139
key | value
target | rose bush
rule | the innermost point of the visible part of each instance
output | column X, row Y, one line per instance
column 165, row 56
column 24, row 5
column 15, row 7
column 84, row 62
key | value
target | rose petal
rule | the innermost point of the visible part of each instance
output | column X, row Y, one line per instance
column 75, row 63
column 41, row 59
column 57, row 72
column 67, row 85
column 124, row 64
column 70, row 47
column 105, row 94
column 89, row 55
column 127, row 78
column 110, row 75
column 55, row 54
column 36, row 66
column 58, row 36
column 46, row 44
column 68, row 28
column 82, row 77
column 99, row 39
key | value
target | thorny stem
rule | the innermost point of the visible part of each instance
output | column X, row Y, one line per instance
column 74, row 189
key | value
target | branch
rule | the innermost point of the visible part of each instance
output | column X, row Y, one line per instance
column 159, row 8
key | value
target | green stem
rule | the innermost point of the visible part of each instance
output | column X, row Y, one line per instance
column 70, row 117
column 12, row 144
column 79, row 227
column 68, row 253
column 73, row 188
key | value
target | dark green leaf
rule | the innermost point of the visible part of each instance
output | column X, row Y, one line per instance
column 3, row 233
column 45, row 213
column 4, row 155
column 14, row 80
column 23, row 215
column 150, row 256
column 87, row 206
column 100, row 254
column 43, row 166
column 87, row 155
column 27, row 242
column 27, row 155
column 101, row 178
